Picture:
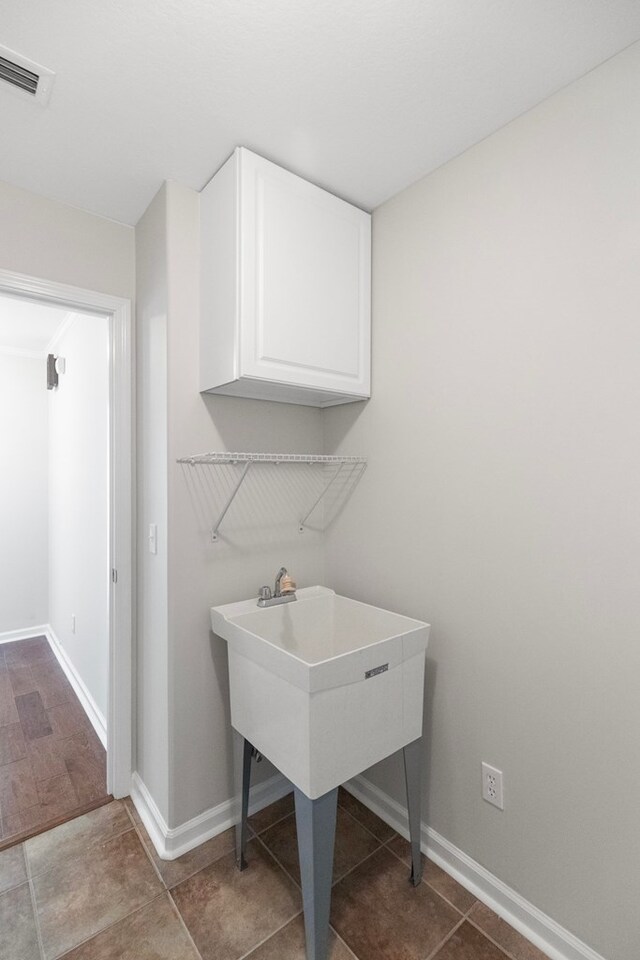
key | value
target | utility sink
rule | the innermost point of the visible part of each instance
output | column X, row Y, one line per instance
column 324, row 686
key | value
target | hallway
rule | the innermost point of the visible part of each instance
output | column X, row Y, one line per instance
column 52, row 763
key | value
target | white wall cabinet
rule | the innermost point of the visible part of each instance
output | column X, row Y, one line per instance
column 285, row 288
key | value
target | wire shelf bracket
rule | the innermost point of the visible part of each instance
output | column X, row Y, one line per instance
column 230, row 499
column 347, row 469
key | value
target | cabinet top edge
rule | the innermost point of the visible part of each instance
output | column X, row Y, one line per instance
column 243, row 155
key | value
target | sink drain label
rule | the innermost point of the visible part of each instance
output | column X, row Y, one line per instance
column 376, row 670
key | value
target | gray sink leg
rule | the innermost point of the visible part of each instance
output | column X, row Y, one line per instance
column 316, row 826
column 413, row 775
column 243, row 753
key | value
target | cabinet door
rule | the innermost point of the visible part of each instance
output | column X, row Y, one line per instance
column 305, row 282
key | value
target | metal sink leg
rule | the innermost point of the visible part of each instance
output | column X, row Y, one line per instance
column 316, row 826
column 413, row 776
column 243, row 753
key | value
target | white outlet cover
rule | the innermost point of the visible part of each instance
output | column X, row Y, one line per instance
column 492, row 786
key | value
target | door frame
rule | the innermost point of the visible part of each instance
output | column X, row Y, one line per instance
column 121, row 503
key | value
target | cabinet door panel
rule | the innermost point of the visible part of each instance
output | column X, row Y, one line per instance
column 308, row 271
column 305, row 302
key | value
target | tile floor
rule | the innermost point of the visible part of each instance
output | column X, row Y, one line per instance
column 94, row 889
column 52, row 764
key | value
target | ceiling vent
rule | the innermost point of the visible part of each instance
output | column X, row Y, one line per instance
column 26, row 78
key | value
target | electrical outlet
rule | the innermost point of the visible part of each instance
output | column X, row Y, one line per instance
column 73, row 623
column 492, row 790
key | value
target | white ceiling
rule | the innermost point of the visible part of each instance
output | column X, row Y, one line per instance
column 27, row 327
column 360, row 96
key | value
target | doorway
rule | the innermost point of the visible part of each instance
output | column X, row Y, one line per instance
column 114, row 316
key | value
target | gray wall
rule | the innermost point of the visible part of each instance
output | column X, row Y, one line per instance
column 186, row 761
column 24, row 493
column 79, row 503
column 502, row 499
column 53, row 241
column 152, row 722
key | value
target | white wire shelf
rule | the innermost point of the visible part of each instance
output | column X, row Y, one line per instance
column 280, row 490
column 204, row 458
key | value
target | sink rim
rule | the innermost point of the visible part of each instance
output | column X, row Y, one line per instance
column 233, row 613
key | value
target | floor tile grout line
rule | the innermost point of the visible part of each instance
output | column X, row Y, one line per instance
column 343, row 875
column 464, row 913
column 114, row 923
column 389, row 848
column 149, row 854
column 344, row 942
column 144, row 846
column 344, row 810
column 176, row 910
column 26, row 869
column 355, row 866
column 333, row 882
column 474, row 904
column 246, row 956
column 291, row 813
column 281, row 865
column 446, row 939
column 103, row 840
column 27, row 862
column 504, row 949
column 36, row 919
column 196, row 871
column 361, row 824
column 14, row 886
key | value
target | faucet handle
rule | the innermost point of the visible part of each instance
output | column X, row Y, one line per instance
column 265, row 593
column 288, row 585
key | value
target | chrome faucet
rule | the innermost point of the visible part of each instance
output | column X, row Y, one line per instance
column 269, row 598
column 281, row 573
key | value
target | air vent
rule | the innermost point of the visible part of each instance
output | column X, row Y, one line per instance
column 18, row 76
column 26, row 78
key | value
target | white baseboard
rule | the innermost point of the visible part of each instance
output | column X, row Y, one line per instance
column 532, row 923
column 89, row 705
column 172, row 842
column 25, row 634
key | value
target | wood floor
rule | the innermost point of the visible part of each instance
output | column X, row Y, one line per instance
column 52, row 763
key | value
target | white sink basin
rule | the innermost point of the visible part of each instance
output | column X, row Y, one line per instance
column 323, row 686
column 320, row 640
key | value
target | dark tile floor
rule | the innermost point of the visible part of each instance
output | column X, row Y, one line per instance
column 52, row 764
column 94, row 889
